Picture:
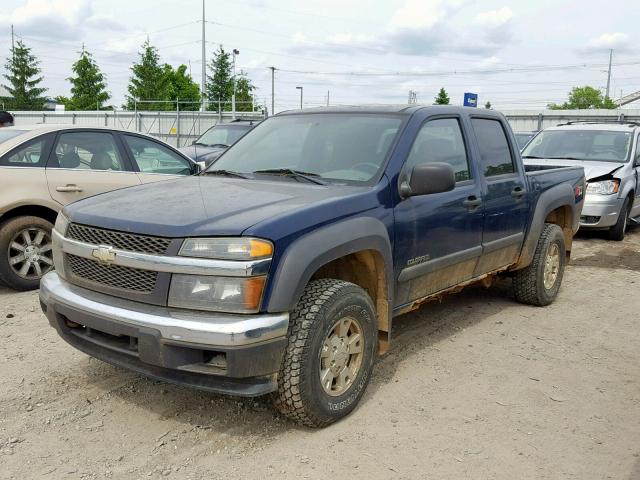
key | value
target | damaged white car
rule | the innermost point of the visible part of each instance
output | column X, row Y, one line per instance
column 610, row 155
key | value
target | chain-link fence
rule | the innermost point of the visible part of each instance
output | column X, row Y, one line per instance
column 177, row 127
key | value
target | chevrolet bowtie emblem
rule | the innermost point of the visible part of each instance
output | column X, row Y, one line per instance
column 104, row 254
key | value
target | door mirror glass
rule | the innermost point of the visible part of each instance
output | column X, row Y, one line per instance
column 428, row 178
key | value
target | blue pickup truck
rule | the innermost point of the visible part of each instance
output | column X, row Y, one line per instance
column 279, row 269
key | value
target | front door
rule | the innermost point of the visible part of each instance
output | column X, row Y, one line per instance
column 438, row 236
column 85, row 163
column 505, row 196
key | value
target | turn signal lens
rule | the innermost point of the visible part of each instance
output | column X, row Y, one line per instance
column 218, row 294
column 242, row 248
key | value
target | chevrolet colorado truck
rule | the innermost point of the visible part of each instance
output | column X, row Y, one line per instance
column 279, row 269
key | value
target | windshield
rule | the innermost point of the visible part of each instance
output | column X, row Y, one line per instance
column 587, row 145
column 349, row 148
column 221, row 135
column 9, row 133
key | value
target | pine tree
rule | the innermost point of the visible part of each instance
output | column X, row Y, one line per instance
column 88, row 90
column 220, row 81
column 149, row 81
column 442, row 98
column 244, row 93
column 182, row 87
column 23, row 76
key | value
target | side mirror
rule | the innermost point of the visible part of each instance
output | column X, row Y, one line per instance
column 198, row 167
column 428, row 178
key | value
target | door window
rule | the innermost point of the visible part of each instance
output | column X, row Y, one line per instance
column 495, row 154
column 87, row 151
column 441, row 140
column 29, row 155
column 152, row 157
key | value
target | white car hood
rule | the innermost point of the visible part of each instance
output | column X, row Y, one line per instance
column 592, row 169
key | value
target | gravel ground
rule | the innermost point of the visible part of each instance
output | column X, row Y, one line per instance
column 475, row 387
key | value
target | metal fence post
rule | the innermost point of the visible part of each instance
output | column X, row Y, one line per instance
column 539, row 121
column 44, row 117
column 73, row 118
column 177, row 122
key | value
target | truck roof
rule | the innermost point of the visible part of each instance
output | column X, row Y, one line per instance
column 402, row 108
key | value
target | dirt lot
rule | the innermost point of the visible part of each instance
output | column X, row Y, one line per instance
column 475, row 387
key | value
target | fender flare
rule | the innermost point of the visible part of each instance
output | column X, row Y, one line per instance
column 310, row 252
column 558, row 196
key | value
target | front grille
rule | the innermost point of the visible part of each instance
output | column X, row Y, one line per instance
column 120, row 240
column 115, row 276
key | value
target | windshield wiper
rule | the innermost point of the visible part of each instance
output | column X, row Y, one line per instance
column 288, row 172
column 532, row 156
column 201, row 144
column 569, row 158
column 224, row 173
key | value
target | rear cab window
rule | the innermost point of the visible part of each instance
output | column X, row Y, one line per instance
column 495, row 154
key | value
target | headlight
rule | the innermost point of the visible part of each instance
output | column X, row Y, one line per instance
column 62, row 223
column 242, row 248
column 604, row 187
column 220, row 294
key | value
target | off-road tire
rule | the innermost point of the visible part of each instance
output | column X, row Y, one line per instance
column 7, row 231
column 618, row 231
column 300, row 395
column 528, row 283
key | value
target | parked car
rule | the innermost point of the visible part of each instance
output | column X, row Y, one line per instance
column 610, row 156
column 280, row 268
column 44, row 167
column 522, row 138
column 212, row 143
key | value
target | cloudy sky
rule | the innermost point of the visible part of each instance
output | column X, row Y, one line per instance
column 515, row 54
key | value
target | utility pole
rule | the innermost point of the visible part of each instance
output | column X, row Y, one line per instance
column 609, row 74
column 13, row 47
column 204, row 63
column 233, row 96
column 273, row 96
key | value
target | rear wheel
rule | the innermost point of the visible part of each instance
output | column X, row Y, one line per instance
column 330, row 353
column 539, row 283
column 25, row 252
column 618, row 231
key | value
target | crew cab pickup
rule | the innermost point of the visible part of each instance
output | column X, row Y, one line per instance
column 280, row 268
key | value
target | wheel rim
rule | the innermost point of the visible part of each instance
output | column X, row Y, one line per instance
column 551, row 266
column 30, row 255
column 341, row 356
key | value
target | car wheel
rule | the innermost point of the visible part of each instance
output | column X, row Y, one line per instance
column 331, row 347
column 539, row 283
column 25, row 252
column 618, row 231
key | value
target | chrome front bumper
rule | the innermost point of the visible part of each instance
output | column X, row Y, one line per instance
column 600, row 211
column 225, row 353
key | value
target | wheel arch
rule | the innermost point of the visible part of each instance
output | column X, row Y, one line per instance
column 365, row 261
column 33, row 210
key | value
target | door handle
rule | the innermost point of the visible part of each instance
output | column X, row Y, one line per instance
column 517, row 192
column 69, row 188
column 472, row 202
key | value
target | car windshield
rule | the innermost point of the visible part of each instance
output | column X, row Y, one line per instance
column 9, row 133
column 221, row 135
column 587, row 145
column 347, row 148
column 522, row 139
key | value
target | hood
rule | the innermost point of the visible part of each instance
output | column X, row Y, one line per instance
column 199, row 152
column 591, row 169
column 210, row 205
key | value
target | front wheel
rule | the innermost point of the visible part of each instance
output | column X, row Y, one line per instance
column 539, row 283
column 618, row 231
column 25, row 252
column 331, row 347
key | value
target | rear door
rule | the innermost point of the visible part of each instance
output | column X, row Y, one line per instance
column 85, row 163
column 505, row 197
column 635, row 211
column 438, row 236
column 154, row 161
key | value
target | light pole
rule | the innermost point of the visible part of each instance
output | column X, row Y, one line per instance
column 301, row 89
column 233, row 97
